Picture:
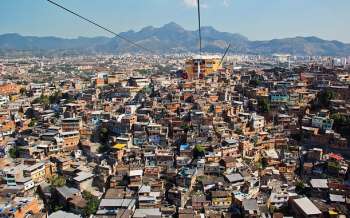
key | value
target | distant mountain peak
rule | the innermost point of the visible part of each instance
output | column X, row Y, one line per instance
column 147, row 28
column 172, row 37
column 208, row 28
column 172, row 25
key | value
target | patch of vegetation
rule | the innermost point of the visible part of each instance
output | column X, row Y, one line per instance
column 15, row 152
column 185, row 128
column 55, row 98
column 164, row 69
column 33, row 122
column 103, row 148
column 323, row 99
column 198, row 151
column 58, row 181
column 144, row 72
column 264, row 163
column 300, row 188
column 57, row 207
column 239, row 131
column 43, row 99
column 341, row 124
column 104, row 133
column 263, row 106
column 255, row 82
column 91, row 205
column 103, row 138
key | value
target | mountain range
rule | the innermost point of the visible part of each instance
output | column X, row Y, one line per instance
column 171, row 38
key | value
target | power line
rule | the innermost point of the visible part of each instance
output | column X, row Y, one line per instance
column 222, row 59
column 200, row 38
column 101, row 27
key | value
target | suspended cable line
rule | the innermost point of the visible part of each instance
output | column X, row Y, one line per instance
column 199, row 27
column 223, row 57
column 101, row 27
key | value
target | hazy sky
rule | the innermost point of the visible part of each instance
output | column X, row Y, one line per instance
column 256, row 19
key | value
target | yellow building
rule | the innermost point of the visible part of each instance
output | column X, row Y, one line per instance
column 221, row 198
column 36, row 172
column 208, row 65
column 119, row 146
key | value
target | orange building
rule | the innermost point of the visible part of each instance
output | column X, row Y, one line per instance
column 173, row 106
column 7, row 126
column 28, row 206
column 101, row 79
column 9, row 88
column 186, row 95
column 50, row 170
column 213, row 98
column 129, row 119
column 100, row 82
column 70, row 140
column 208, row 65
column 71, row 124
column 3, row 116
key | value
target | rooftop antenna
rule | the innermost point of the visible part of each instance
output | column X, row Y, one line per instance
column 200, row 37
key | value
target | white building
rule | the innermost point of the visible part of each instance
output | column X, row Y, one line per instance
column 4, row 100
column 257, row 121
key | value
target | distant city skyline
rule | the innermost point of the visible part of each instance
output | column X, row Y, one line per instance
column 256, row 19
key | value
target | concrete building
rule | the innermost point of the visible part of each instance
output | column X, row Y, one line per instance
column 208, row 65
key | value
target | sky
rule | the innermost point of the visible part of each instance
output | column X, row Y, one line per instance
column 255, row 19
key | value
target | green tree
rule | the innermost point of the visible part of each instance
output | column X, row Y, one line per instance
column 264, row 163
column 340, row 120
column 57, row 207
column 255, row 82
column 239, row 131
column 327, row 96
column 323, row 99
column 33, row 122
column 92, row 203
column 103, row 138
column 341, row 124
column 58, row 181
column 56, row 97
column 186, row 128
column 13, row 152
column 43, row 99
column 103, row 148
column 300, row 187
column 103, row 134
column 198, row 151
column 144, row 72
column 263, row 105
